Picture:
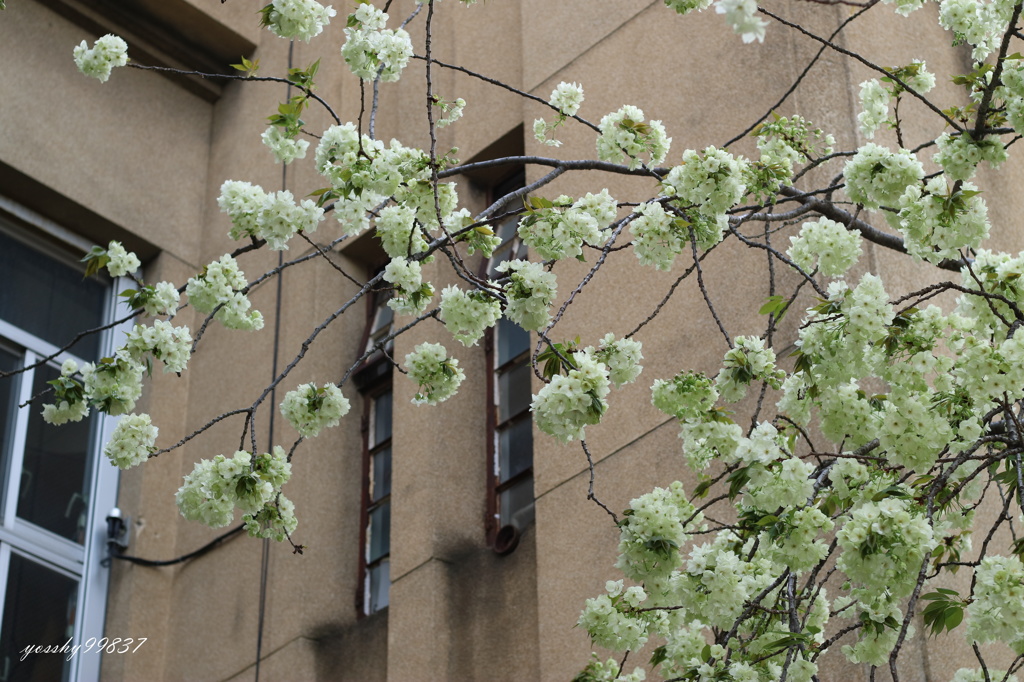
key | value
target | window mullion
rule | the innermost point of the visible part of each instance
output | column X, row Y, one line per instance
column 12, row 478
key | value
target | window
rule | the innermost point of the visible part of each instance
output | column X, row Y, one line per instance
column 374, row 381
column 54, row 491
column 510, row 426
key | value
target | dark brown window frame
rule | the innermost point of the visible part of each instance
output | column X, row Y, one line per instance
column 373, row 379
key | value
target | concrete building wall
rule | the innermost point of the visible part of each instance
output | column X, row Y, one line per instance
column 143, row 157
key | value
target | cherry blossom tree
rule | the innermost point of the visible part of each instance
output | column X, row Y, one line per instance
column 839, row 465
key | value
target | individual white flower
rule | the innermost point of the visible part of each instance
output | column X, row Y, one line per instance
column 286, row 149
column 567, row 98
column 301, row 19
column 132, row 442
column 742, row 16
column 310, row 409
column 437, row 375
column 122, row 262
column 97, row 61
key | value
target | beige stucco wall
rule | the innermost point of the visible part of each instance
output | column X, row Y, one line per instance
column 149, row 157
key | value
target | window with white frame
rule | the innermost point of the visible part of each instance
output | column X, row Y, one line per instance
column 54, row 490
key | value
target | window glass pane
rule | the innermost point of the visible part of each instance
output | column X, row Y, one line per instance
column 381, row 418
column 51, row 492
column 380, row 582
column 381, row 474
column 379, row 532
column 512, row 340
column 515, row 448
column 514, row 391
column 49, row 299
column 517, row 504
column 39, row 609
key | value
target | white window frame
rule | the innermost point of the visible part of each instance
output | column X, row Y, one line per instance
column 84, row 562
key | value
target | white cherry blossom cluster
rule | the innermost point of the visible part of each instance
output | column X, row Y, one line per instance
column 121, row 261
column 609, row 621
column 310, row 409
column 215, row 487
column 113, row 384
column 609, row 671
column 161, row 299
column 285, row 149
column 163, row 341
column 625, row 136
column 826, row 245
column 1012, row 93
column 997, row 610
column 274, row 216
column 937, row 221
column 567, row 98
column 622, row 358
column 877, row 176
column 452, row 111
column 529, row 293
column 132, row 442
column 979, row 23
column 419, row 195
column 220, row 287
column 687, row 395
column 572, row 401
column 412, row 294
column 883, row 544
column 658, row 236
column 800, row 545
column 275, row 520
column 437, row 375
column 652, row 533
column 370, row 50
column 468, row 314
column 560, row 230
column 790, row 140
column 748, row 361
column 874, row 103
column 300, row 19
column 960, row 155
column 399, row 235
column 711, row 181
column 98, row 61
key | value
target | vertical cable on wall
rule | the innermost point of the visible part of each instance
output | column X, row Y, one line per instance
column 265, row 557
